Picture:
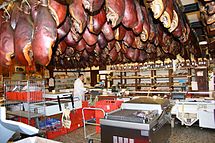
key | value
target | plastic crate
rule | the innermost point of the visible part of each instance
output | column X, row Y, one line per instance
column 56, row 133
column 11, row 95
column 29, row 96
column 85, row 104
column 76, row 120
column 107, row 106
column 25, row 120
column 89, row 114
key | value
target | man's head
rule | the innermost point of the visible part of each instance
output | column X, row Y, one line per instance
column 81, row 76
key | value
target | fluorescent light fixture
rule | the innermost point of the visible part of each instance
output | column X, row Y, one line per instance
column 203, row 43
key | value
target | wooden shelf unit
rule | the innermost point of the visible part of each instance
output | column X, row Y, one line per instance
column 153, row 78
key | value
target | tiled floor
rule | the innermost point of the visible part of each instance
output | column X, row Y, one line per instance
column 180, row 134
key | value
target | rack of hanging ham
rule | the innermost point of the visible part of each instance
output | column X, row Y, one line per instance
column 84, row 33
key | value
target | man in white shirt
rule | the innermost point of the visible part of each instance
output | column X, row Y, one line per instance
column 79, row 90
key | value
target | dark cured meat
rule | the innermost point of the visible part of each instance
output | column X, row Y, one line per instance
column 62, row 46
column 130, row 15
column 97, row 50
column 58, row 11
column 79, row 17
column 166, row 17
column 90, row 38
column 63, row 30
column 45, row 34
column 96, row 22
column 65, row 2
column 132, row 54
column 120, row 32
column 81, row 45
column 142, row 57
column 144, row 36
column 92, row 5
column 152, row 30
column 34, row 8
column 115, row 11
column 6, row 44
column 113, row 54
column 108, row 31
column 102, row 41
column 111, row 44
column 70, row 41
column 129, row 38
column 157, row 7
column 85, row 56
column 139, row 27
column 23, row 38
column 90, row 48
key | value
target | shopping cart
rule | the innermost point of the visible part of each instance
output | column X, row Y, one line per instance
column 91, row 136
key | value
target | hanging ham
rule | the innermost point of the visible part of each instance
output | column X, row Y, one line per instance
column 58, row 11
column 140, row 18
column 64, row 29
column 115, row 11
column 79, row 17
column 6, row 44
column 93, row 5
column 23, row 38
column 129, row 38
column 166, row 17
column 96, row 22
column 108, row 31
column 81, row 45
column 120, row 32
column 157, row 7
column 102, row 41
column 45, row 34
column 130, row 15
column 145, row 33
column 90, row 38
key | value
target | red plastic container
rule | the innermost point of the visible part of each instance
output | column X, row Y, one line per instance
column 85, row 104
column 57, row 133
column 25, row 120
column 76, row 120
column 30, row 96
column 107, row 106
column 11, row 95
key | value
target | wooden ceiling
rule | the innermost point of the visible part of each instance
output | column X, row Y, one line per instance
column 192, row 9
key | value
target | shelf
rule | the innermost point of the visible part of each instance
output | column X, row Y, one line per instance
column 156, row 78
column 65, row 79
column 130, row 77
column 181, row 76
column 25, row 114
column 161, row 76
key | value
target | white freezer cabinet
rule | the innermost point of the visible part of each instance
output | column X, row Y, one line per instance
column 188, row 112
column 53, row 107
